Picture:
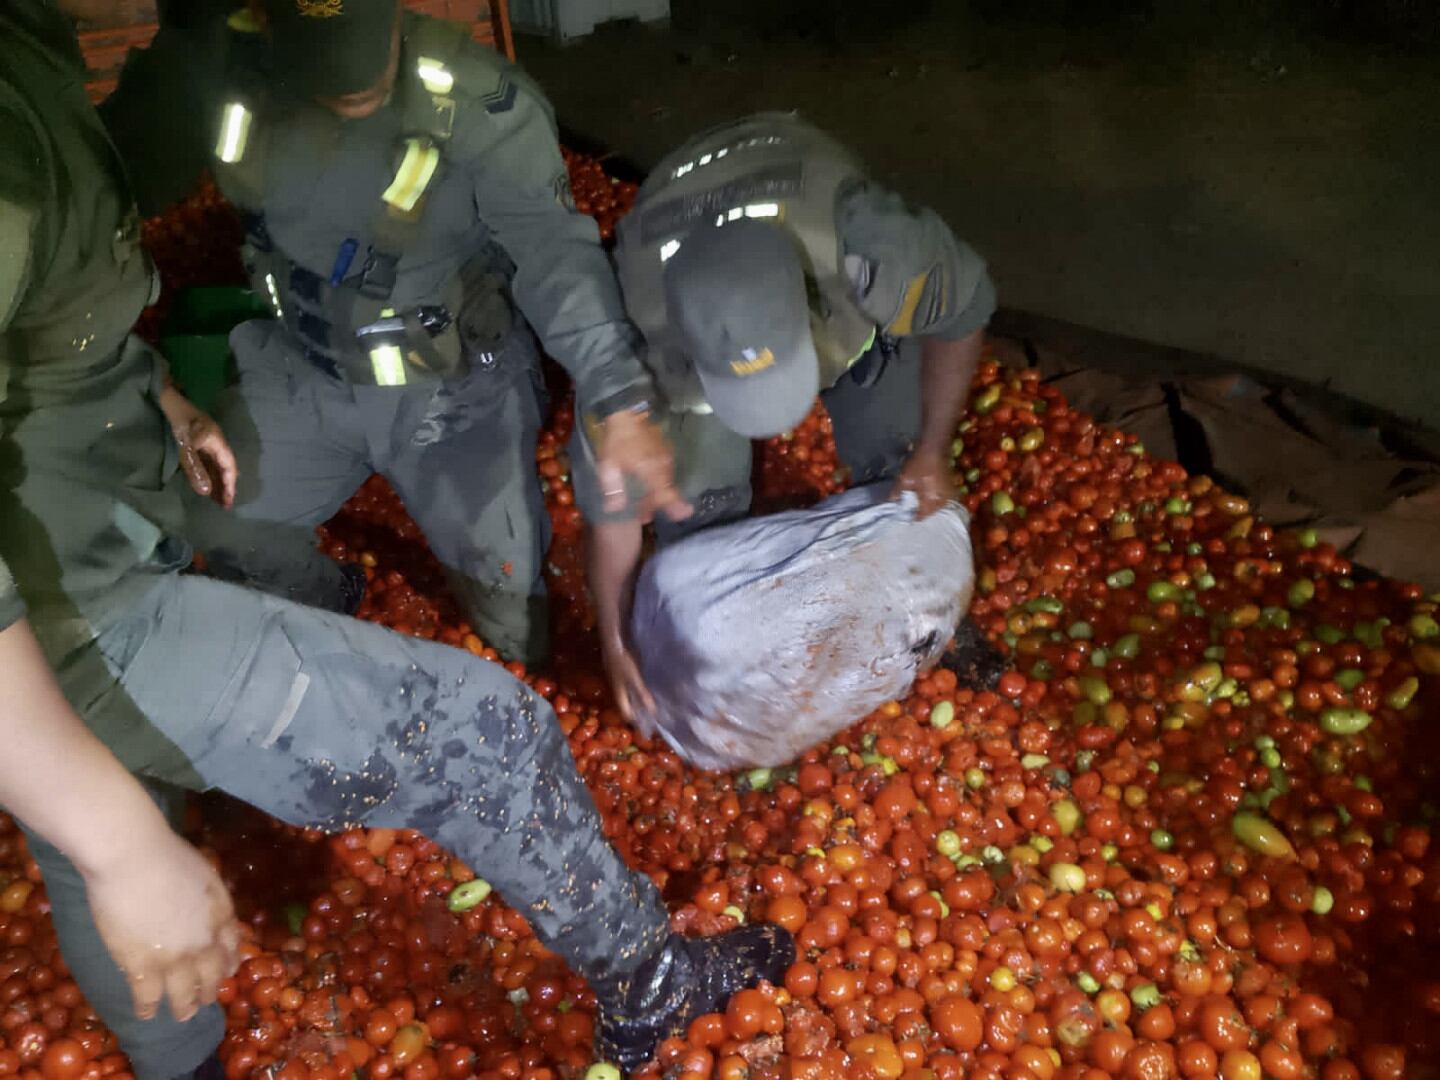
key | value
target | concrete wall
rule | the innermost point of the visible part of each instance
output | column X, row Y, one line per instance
column 1272, row 203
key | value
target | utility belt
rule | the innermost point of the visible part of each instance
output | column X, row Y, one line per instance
column 346, row 328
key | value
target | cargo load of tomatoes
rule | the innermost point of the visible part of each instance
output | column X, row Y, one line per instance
column 1189, row 834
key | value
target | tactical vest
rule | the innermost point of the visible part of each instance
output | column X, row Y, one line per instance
column 772, row 166
column 346, row 322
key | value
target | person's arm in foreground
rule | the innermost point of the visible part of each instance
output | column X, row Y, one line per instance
column 205, row 454
column 615, row 557
column 159, row 906
column 921, row 280
column 564, row 285
column 947, row 370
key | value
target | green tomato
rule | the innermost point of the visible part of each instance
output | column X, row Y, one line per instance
column 1096, row 690
column 1345, row 721
column 1067, row 877
column 1145, row 996
column 466, row 896
column 1127, row 647
column 1160, row 592
column 1121, row 579
column 947, row 843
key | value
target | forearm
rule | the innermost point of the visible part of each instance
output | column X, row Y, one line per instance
column 54, row 774
column 615, row 550
column 948, row 369
column 566, row 288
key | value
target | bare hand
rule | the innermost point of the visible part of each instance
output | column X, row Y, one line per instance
column 205, row 453
column 167, row 921
column 928, row 476
column 632, row 696
column 631, row 445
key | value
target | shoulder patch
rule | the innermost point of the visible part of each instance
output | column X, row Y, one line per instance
column 502, row 98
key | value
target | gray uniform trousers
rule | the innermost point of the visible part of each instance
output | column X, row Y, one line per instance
column 461, row 455
column 324, row 720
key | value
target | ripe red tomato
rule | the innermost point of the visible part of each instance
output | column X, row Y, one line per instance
column 959, row 1022
column 63, row 1059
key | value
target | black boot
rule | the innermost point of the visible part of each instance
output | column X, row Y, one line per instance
column 976, row 663
column 688, row 977
column 353, row 590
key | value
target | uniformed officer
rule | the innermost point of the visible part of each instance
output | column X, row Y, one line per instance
column 319, row 719
column 399, row 184
column 763, row 268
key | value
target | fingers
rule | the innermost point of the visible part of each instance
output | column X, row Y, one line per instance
column 209, row 973
column 635, row 689
column 223, row 461
column 226, row 931
column 229, row 944
column 622, row 699
column 146, row 989
column 194, row 470
column 646, row 698
column 678, row 509
column 182, row 987
column 612, row 485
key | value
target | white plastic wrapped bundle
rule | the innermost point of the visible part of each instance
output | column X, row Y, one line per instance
column 763, row 638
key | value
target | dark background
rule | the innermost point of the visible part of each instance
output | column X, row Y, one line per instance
column 1248, row 184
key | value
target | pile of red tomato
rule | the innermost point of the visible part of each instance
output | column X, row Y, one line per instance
column 1189, row 834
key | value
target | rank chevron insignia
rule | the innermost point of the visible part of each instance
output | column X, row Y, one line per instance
column 502, row 98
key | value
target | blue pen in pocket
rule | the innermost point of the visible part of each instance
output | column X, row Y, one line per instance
column 343, row 258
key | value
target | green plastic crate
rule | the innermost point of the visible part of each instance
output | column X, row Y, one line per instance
column 196, row 339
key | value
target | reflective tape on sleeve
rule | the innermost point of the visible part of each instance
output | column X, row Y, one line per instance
column 434, row 75
column 234, row 133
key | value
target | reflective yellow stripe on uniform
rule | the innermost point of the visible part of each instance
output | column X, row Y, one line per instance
column 274, row 296
column 904, row 321
column 869, row 344
column 416, row 171
column 435, row 76
column 234, row 133
column 388, row 364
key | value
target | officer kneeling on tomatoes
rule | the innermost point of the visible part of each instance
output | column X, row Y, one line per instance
column 122, row 678
column 399, row 185
column 765, row 269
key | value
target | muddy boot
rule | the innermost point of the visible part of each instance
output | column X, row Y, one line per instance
column 689, row 977
column 352, row 591
column 976, row 663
